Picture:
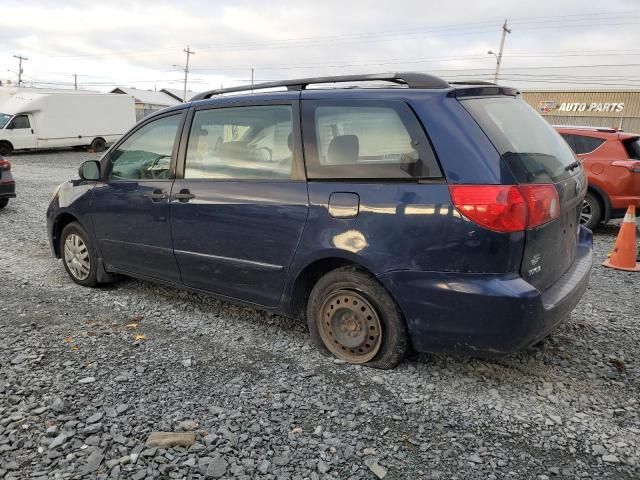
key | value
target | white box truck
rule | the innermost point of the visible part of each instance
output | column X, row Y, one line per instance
column 54, row 120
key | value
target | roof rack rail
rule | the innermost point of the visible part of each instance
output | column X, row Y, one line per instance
column 472, row 82
column 410, row 79
column 590, row 128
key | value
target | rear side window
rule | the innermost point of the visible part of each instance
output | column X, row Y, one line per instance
column 366, row 140
column 531, row 148
column 633, row 148
column 241, row 143
column 583, row 144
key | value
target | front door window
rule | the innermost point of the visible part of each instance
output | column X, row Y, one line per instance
column 146, row 154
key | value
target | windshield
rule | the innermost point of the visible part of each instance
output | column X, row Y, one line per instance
column 531, row 148
column 4, row 118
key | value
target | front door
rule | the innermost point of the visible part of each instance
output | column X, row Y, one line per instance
column 131, row 205
column 20, row 132
column 238, row 213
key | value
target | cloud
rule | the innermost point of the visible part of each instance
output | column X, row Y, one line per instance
column 140, row 43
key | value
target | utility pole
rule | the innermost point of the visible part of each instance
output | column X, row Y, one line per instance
column 186, row 71
column 75, row 81
column 505, row 30
column 20, row 71
column 252, row 79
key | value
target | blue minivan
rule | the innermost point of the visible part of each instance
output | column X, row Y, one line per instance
column 392, row 211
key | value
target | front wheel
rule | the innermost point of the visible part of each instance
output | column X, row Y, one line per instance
column 4, row 202
column 352, row 317
column 78, row 256
column 591, row 213
column 5, row 149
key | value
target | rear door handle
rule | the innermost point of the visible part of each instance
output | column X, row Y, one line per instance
column 156, row 195
column 184, row 195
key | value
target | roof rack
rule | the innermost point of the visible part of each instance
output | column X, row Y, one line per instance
column 410, row 79
column 472, row 82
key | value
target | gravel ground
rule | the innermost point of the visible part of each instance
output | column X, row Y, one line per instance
column 86, row 375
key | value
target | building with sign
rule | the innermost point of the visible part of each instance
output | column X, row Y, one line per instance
column 596, row 108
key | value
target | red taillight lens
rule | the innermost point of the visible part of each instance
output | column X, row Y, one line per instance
column 500, row 208
column 507, row 208
column 5, row 164
column 543, row 204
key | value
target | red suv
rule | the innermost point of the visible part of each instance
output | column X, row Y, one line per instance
column 611, row 160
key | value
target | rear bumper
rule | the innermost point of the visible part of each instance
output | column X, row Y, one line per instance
column 481, row 314
column 7, row 190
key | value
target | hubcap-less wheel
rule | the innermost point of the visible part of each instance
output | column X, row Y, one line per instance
column 76, row 256
column 350, row 327
column 586, row 213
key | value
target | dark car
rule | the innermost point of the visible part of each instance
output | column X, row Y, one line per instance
column 443, row 217
column 7, row 183
column 611, row 160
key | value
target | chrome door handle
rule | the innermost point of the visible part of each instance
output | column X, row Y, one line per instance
column 184, row 195
column 156, row 195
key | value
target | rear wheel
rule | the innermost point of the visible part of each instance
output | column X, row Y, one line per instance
column 352, row 317
column 98, row 145
column 6, row 149
column 4, row 202
column 591, row 213
column 78, row 255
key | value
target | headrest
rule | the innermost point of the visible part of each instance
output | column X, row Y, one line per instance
column 343, row 150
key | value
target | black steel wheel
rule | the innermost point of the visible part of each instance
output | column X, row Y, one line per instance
column 353, row 318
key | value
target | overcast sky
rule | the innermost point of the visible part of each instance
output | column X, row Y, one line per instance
column 140, row 43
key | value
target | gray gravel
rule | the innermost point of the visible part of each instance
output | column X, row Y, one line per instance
column 87, row 375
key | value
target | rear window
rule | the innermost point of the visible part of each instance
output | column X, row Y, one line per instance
column 531, row 148
column 633, row 148
column 366, row 140
column 582, row 144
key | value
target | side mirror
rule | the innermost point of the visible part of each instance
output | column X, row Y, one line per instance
column 89, row 170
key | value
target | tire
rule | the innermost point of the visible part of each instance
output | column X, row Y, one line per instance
column 4, row 202
column 6, row 149
column 351, row 308
column 591, row 213
column 82, row 252
column 98, row 145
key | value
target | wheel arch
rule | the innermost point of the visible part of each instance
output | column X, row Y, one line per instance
column 296, row 296
column 61, row 221
column 604, row 200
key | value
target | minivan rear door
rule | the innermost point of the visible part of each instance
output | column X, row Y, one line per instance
column 536, row 154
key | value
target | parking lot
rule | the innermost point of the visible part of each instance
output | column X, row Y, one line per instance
column 86, row 375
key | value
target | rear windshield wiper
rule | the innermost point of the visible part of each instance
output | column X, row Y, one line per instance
column 572, row 166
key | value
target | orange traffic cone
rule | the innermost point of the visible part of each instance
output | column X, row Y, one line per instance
column 623, row 256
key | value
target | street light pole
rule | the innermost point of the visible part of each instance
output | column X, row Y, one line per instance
column 186, row 71
column 20, row 71
column 505, row 30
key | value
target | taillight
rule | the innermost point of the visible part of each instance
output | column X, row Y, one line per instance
column 543, row 204
column 507, row 208
column 631, row 165
column 5, row 164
